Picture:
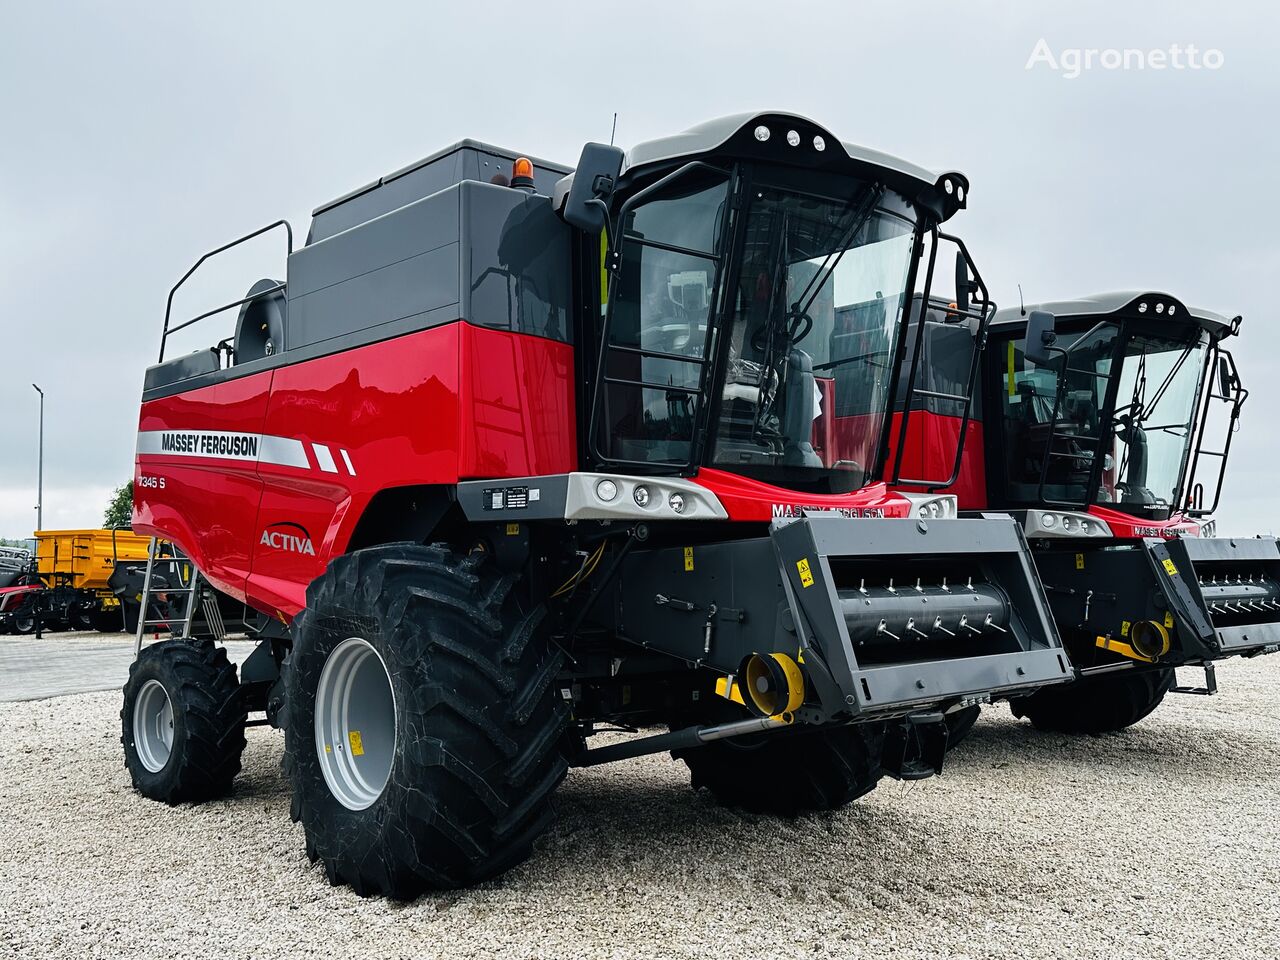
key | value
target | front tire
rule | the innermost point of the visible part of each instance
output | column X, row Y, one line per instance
column 437, row 652
column 182, row 724
column 787, row 773
column 1094, row 705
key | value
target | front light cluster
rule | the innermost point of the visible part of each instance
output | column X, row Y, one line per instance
column 1065, row 524
column 1209, row 528
column 793, row 138
column 934, row 508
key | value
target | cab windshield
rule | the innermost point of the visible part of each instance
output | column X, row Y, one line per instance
column 814, row 316
column 1151, row 382
column 775, row 362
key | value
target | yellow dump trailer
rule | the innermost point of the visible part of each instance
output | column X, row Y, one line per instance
column 85, row 579
column 85, row 559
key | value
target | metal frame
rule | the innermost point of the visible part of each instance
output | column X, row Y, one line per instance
column 168, row 309
column 1196, row 490
column 983, row 315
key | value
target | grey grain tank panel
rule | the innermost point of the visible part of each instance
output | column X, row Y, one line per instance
column 408, row 288
column 466, row 160
column 517, row 269
column 424, row 225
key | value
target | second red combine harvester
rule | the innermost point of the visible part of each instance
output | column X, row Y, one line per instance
column 506, row 460
column 1105, row 427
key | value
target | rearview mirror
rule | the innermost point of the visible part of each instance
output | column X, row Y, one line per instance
column 1226, row 379
column 582, row 198
column 962, row 283
column 1041, row 335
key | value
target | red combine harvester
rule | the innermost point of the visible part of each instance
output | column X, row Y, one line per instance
column 1105, row 427
column 507, row 459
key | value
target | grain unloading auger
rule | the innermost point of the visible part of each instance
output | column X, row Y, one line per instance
column 518, row 454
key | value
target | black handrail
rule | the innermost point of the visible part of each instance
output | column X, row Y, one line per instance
column 168, row 309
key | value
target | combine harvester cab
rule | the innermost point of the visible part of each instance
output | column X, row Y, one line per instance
column 1107, row 426
column 519, row 451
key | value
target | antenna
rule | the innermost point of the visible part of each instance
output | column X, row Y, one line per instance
column 1022, row 307
column 614, row 132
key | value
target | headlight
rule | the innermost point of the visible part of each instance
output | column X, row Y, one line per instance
column 1085, row 527
column 606, row 490
column 1067, row 523
column 1049, row 520
column 641, row 496
column 1209, row 529
column 676, row 502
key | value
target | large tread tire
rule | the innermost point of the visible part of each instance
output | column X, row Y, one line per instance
column 788, row 773
column 208, row 721
column 480, row 741
column 960, row 724
column 1096, row 705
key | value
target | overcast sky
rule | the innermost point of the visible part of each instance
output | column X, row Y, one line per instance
column 135, row 137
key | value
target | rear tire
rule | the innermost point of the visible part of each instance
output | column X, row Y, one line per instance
column 80, row 618
column 182, row 724
column 1101, row 704
column 466, row 675
column 790, row 772
column 24, row 622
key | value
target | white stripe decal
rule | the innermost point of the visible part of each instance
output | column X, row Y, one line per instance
column 347, row 460
column 324, row 458
column 284, row 451
column 224, row 445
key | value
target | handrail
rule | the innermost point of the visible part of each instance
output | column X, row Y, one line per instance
column 168, row 309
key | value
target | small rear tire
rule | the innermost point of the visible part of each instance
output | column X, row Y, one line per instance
column 182, row 724
column 1094, row 705
column 789, row 772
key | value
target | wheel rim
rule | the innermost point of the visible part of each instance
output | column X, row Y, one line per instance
column 153, row 726
column 355, row 723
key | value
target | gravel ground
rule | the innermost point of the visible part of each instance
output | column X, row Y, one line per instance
column 1163, row 841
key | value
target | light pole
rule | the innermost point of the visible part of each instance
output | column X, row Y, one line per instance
column 40, row 468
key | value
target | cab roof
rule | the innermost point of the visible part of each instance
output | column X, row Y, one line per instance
column 1128, row 302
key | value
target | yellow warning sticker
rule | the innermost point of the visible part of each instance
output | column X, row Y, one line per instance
column 1168, row 618
column 1079, row 561
column 513, row 529
column 1124, row 628
column 806, row 575
column 688, row 559
column 1169, row 568
column 357, row 745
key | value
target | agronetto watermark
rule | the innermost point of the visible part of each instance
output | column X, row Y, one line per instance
column 1070, row 62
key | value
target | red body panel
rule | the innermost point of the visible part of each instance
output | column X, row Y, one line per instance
column 427, row 408
column 750, row 500
column 1128, row 527
column 11, row 597
column 930, row 447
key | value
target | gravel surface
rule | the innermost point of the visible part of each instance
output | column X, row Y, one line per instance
column 1163, row 841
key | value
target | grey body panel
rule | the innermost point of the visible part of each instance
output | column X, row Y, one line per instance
column 465, row 160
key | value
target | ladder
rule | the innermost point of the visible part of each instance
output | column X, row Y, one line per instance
column 167, row 564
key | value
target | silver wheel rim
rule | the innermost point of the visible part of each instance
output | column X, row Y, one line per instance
column 153, row 726
column 355, row 723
